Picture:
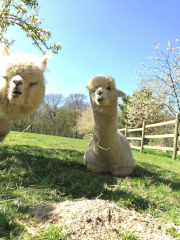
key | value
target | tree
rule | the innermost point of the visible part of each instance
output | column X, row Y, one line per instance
column 52, row 103
column 122, row 116
column 76, row 101
column 66, row 120
column 85, row 122
column 164, row 78
column 144, row 105
column 50, row 118
column 50, row 108
column 15, row 13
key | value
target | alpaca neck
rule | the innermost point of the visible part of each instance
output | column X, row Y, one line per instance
column 105, row 128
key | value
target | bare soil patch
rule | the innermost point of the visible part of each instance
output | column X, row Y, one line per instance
column 98, row 219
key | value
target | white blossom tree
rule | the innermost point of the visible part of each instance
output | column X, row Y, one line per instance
column 85, row 121
column 164, row 78
column 24, row 14
column 144, row 105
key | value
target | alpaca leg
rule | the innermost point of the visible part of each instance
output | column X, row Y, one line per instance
column 5, row 127
column 123, row 171
column 2, row 138
column 93, row 167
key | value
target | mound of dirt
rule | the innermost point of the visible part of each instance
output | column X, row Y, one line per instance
column 98, row 219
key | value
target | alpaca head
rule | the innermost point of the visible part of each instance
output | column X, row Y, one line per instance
column 103, row 92
column 22, row 86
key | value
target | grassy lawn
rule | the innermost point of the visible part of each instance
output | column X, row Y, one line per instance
column 38, row 168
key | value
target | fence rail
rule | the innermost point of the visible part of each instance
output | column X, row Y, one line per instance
column 175, row 136
column 88, row 136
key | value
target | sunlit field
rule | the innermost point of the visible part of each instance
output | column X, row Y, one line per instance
column 38, row 168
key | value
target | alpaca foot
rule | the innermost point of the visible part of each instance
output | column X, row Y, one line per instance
column 93, row 167
column 123, row 171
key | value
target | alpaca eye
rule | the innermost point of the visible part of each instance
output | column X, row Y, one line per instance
column 6, row 78
column 108, row 88
column 32, row 84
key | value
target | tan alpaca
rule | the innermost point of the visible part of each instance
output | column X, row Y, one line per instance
column 22, row 86
column 108, row 151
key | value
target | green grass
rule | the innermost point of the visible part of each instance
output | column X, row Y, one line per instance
column 127, row 235
column 38, row 168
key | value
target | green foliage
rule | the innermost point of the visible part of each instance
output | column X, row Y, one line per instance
column 66, row 120
column 15, row 13
column 122, row 117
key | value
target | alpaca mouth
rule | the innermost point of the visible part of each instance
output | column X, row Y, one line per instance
column 100, row 99
column 16, row 93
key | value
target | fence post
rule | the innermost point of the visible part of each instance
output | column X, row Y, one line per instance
column 126, row 130
column 142, row 139
column 175, row 136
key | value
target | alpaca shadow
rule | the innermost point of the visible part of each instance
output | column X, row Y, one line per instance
column 62, row 171
column 157, row 175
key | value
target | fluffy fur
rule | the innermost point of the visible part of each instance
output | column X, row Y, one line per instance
column 22, row 86
column 108, row 151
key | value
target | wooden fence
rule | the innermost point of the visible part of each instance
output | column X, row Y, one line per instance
column 175, row 136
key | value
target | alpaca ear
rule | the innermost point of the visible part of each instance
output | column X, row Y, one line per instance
column 3, row 50
column 44, row 61
column 121, row 94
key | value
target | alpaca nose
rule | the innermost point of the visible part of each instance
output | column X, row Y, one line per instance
column 18, row 80
column 99, row 92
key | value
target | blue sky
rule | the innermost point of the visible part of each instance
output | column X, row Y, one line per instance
column 111, row 37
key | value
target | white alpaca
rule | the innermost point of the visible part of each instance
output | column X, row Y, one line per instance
column 22, row 86
column 108, row 151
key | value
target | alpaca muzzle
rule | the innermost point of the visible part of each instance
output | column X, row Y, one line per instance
column 100, row 95
column 16, row 87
